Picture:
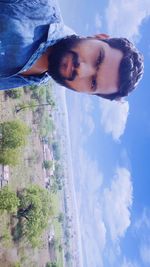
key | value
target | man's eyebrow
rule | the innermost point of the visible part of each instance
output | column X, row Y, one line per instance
column 99, row 61
column 100, row 58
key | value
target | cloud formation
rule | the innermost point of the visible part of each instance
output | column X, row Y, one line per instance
column 145, row 253
column 106, row 206
column 117, row 203
column 142, row 228
column 124, row 18
column 98, row 22
column 114, row 117
column 127, row 263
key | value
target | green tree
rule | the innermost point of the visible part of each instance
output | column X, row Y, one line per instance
column 47, row 126
column 51, row 264
column 10, row 157
column 60, row 217
column 17, row 264
column 56, row 150
column 8, row 200
column 47, row 164
column 35, row 208
column 13, row 134
column 14, row 93
column 32, row 105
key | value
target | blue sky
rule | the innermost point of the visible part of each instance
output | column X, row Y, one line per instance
column 111, row 144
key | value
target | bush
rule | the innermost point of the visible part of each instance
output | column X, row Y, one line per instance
column 8, row 200
column 51, row 264
column 17, row 264
column 14, row 93
column 34, row 210
column 13, row 134
column 10, row 157
column 47, row 164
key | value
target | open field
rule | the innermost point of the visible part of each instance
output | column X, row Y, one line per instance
column 28, row 171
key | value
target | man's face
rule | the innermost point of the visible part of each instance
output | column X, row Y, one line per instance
column 91, row 66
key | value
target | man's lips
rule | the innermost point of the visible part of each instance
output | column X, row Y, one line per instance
column 66, row 66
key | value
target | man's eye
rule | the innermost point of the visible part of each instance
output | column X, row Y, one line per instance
column 100, row 59
column 93, row 84
column 98, row 62
column 76, row 63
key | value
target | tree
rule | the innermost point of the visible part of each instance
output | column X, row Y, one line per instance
column 51, row 264
column 68, row 256
column 47, row 126
column 35, row 209
column 56, row 150
column 32, row 104
column 8, row 200
column 10, row 157
column 13, row 134
column 14, row 93
column 47, row 164
column 60, row 217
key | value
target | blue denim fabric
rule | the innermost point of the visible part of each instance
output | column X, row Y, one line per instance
column 27, row 28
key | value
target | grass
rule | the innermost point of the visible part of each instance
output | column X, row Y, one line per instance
column 29, row 170
column 57, row 227
column 5, row 235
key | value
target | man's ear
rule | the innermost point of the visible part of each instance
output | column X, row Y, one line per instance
column 102, row 36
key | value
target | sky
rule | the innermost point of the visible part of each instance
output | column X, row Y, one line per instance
column 111, row 144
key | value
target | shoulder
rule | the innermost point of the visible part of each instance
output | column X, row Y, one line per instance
column 46, row 11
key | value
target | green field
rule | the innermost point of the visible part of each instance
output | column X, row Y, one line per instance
column 29, row 170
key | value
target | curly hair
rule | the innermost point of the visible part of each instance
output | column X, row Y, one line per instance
column 131, row 67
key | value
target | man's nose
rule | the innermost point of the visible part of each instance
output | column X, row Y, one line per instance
column 85, row 70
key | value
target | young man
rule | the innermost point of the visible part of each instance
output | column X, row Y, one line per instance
column 35, row 45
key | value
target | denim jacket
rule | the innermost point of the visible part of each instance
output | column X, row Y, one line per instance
column 27, row 29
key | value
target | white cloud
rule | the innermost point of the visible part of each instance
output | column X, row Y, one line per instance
column 98, row 22
column 90, row 125
column 114, row 117
column 117, row 203
column 145, row 253
column 143, row 223
column 127, row 263
column 124, row 18
column 90, row 211
column 106, row 207
column 142, row 232
column 88, row 104
column 89, row 169
column 85, row 119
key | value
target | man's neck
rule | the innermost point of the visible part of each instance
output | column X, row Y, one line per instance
column 40, row 66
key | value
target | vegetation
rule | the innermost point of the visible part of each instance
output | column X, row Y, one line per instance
column 68, row 256
column 23, row 223
column 14, row 94
column 47, row 164
column 8, row 200
column 51, row 264
column 17, row 264
column 10, row 157
column 56, row 150
column 46, row 126
column 60, row 217
column 27, row 105
column 35, row 210
column 13, row 134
